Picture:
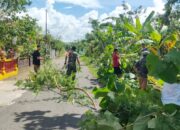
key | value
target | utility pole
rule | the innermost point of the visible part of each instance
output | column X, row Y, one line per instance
column 46, row 38
column 46, row 25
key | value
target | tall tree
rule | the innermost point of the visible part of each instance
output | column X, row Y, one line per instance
column 10, row 6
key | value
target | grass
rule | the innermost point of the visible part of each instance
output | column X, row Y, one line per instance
column 91, row 67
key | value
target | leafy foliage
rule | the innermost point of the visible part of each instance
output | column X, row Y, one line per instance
column 135, row 109
column 52, row 78
column 10, row 6
column 105, row 121
column 122, row 104
column 167, row 68
column 19, row 33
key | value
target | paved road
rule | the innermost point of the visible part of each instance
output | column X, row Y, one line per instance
column 42, row 112
column 8, row 90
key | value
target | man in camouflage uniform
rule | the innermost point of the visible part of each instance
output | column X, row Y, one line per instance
column 142, row 70
column 71, row 57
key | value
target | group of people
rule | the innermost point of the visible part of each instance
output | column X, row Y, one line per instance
column 10, row 54
column 71, row 58
column 140, row 66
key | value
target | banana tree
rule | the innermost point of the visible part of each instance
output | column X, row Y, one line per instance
column 140, row 31
column 163, row 61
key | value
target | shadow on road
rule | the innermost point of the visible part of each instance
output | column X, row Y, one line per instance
column 39, row 100
column 36, row 120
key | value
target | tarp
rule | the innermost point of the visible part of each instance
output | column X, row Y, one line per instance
column 171, row 94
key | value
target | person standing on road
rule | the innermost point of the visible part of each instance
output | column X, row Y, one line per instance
column 116, row 63
column 70, row 61
column 36, row 59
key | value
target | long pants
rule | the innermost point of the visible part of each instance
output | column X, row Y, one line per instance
column 36, row 68
column 71, row 69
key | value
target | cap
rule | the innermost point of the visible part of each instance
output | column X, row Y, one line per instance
column 145, row 53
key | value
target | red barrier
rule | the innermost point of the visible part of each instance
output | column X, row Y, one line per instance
column 10, row 66
column 1, row 67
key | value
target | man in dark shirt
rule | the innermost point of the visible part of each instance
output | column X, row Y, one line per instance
column 142, row 70
column 36, row 59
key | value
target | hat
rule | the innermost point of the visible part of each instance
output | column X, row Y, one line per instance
column 145, row 53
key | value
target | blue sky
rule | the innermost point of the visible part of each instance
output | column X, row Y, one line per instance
column 76, row 10
column 69, row 19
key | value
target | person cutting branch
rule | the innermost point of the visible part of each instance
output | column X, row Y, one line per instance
column 70, row 60
column 37, row 58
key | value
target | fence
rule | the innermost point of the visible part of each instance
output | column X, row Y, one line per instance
column 24, row 62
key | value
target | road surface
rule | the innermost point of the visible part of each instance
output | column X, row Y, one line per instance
column 26, row 111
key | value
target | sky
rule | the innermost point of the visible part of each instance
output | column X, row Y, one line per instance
column 69, row 19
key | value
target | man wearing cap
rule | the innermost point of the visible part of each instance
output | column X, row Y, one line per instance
column 36, row 59
column 144, row 48
column 142, row 70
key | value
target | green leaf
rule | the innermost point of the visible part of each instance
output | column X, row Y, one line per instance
column 100, row 92
column 145, row 41
column 148, row 28
column 138, row 24
column 108, row 122
column 152, row 61
column 104, row 104
column 174, row 56
column 120, row 86
column 148, row 19
column 152, row 123
column 111, row 82
column 111, row 95
column 131, row 27
column 131, row 75
column 141, row 123
column 167, row 71
column 171, row 37
column 156, row 36
column 113, row 102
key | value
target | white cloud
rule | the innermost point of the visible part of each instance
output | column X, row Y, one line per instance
column 83, row 3
column 120, row 10
column 49, row 4
column 68, row 27
column 159, row 6
column 71, row 28
column 90, row 15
